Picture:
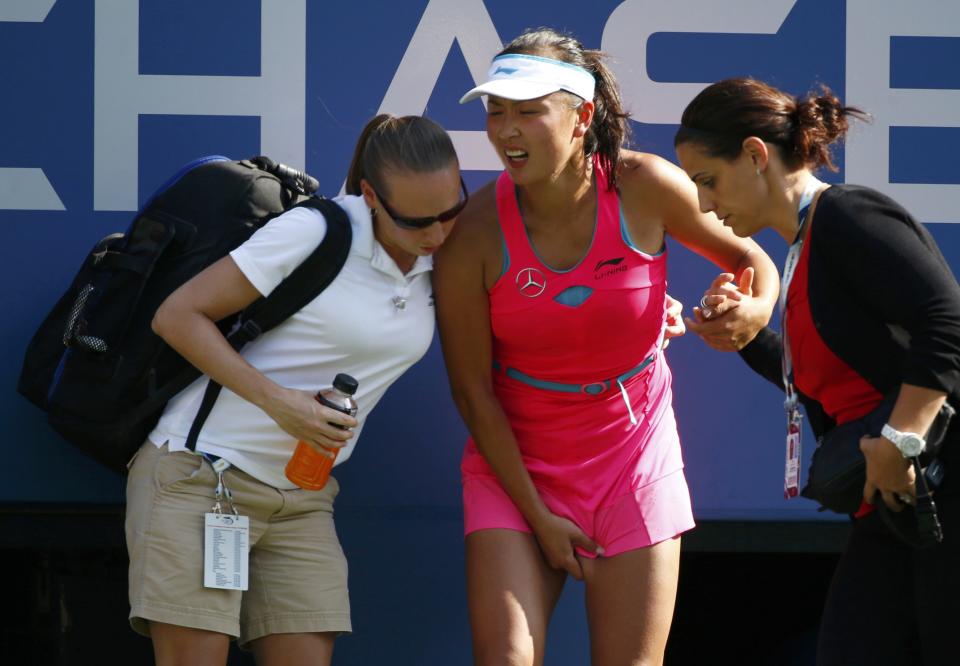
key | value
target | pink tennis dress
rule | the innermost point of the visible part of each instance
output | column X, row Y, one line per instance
column 579, row 373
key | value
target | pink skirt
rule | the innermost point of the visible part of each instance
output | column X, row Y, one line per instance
column 621, row 483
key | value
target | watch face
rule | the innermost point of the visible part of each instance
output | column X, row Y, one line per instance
column 911, row 445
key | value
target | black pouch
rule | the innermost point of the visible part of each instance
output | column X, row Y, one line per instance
column 838, row 469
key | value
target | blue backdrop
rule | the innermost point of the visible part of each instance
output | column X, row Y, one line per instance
column 105, row 98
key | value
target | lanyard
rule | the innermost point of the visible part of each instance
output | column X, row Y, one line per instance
column 791, row 472
column 793, row 258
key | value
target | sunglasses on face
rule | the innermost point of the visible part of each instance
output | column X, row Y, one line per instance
column 416, row 223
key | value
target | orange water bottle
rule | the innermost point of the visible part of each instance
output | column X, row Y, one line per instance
column 308, row 468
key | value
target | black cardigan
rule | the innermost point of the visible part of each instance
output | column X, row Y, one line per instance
column 882, row 298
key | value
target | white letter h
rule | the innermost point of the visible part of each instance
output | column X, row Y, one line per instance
column 121, row 94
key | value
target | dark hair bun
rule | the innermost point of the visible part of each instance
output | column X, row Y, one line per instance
column 821, row 121
column 727, row 112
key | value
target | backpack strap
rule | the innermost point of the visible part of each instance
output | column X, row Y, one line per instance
column 305, row 283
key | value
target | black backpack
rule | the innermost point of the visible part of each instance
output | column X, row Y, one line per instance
column 96, row 367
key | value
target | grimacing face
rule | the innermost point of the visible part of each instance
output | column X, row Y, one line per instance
column 731, row 189
column 534, row 138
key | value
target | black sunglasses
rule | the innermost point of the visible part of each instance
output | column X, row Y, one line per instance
column 416, row 223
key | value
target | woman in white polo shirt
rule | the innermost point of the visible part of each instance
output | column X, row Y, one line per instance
column 374, row 321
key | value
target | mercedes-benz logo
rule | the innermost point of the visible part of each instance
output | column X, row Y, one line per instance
column 531, row 282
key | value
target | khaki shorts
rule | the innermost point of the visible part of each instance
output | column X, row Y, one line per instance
column 298, row 573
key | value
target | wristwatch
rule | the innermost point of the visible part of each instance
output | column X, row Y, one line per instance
column 910, row 444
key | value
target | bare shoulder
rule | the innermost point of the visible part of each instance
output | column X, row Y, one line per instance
column 475, row 239
column 647, row 175
column 478, row 221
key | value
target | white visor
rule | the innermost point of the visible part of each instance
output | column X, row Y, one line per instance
column 518, row 76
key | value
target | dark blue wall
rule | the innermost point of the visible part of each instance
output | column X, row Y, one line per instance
column 400, row 501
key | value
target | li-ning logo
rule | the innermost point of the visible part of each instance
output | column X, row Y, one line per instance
column 607, row 262
column 531, row 282
column 615, row 268
column 505, row 70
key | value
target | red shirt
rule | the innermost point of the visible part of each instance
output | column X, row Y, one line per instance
column 817, row 371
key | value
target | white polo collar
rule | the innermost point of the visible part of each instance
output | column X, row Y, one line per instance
column 365, row 245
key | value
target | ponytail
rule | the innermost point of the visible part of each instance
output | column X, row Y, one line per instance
column 356, row 172
column 412, row 144
column 610, row 129
column 821, row 120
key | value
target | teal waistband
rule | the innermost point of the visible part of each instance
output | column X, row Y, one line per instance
column 592, row 388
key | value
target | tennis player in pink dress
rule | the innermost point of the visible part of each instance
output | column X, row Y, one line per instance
column 603, row 452
column 552, row 305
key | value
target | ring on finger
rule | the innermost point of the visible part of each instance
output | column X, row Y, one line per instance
column 905, row 498
column 705, row 309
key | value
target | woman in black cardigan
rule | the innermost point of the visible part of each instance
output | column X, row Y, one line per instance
column 871, row 309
